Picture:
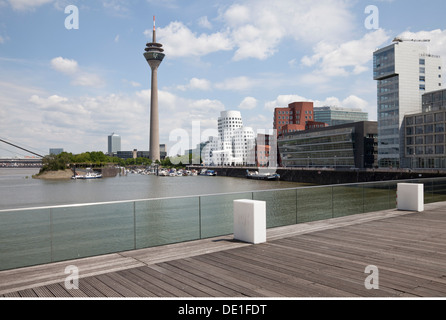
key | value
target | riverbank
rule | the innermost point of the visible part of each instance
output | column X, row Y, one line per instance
column 55, row 175
column 330, row 176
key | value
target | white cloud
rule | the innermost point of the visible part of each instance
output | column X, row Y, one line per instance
column 66, row 66
column 283, row 101
column 180, row 41
column 349, row 58
column 236, row 84
column 204, row 23
column 255, row 28
column 79, row 77
column 248, row 103
column 258, row 26
column 23, row 5
column 196, row 84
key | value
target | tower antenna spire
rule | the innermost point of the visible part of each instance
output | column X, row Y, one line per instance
column 154, row 32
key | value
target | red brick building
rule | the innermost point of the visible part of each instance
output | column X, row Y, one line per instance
column 297, row 117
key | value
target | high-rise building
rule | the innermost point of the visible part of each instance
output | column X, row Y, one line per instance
column 56, row 151
column 114, row 144
column 235, row 143
column 154, row 56
column 404, row 70
column 333, row 116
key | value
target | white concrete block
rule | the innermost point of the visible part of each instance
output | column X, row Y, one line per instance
column 410, row 197
column 250, row 221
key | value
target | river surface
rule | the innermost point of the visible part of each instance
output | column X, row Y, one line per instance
column 19, row 190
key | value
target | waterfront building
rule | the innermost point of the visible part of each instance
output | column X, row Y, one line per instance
column 352, row 145
column 114, row 144
column 293, row 118
column 333, row 115
column 56, row 151
column 404, row 71
column 154, row 56
column 139, row 154
column 425, row 133
column 265, row 152
column 234, row 144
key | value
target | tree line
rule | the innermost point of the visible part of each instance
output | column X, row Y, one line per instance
column 66, row 160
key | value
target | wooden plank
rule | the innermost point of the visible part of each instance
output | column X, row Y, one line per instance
column 43, row 292
column 157, row 285
column 135, row 288
column 200, row 275
column 223, row 278
column 99, row 287
column 110, row 281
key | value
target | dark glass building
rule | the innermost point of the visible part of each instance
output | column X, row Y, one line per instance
column 353, row 145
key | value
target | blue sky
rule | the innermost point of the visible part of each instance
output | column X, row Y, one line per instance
column 71, row 88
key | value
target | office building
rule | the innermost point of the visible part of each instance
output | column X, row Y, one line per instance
column 333, row 116
column 425, row 133
column 293, row 118
column 114, row 144
column 404, row 71
column 352, row 145
column 56, row 151
column 234, row 144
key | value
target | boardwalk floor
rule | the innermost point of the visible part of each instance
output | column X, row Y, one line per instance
column 320, row 259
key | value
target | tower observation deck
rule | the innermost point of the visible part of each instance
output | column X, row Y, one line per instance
column 154, row 56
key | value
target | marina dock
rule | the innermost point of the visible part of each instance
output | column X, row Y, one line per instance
column 319, row 259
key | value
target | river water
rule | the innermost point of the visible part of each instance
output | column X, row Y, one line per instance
column 19, row 190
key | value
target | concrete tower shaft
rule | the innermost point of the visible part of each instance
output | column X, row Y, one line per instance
column 154, row 56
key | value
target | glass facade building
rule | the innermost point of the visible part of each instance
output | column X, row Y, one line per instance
column 334, row 116
column 425, row 133
column 351, row 145
column 404, row 71
column 114, row 144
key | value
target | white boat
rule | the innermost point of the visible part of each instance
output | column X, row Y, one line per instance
column 89, row 175
column 262, row 176
column 92, row 175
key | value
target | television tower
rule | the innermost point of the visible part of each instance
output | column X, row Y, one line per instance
column 154, row 56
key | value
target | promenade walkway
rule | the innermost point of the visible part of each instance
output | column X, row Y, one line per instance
column 320, row 259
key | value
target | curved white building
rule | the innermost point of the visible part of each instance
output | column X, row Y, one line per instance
column 235, row 144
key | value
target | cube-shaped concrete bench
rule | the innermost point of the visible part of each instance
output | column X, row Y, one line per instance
column 250, row 221
column 410, row 197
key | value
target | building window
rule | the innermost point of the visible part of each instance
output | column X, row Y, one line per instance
column 422, row 62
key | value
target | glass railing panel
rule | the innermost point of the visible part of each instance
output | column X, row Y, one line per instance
column 314, row 204
column 83, row 231
column 25, row 238
column 280, row 207
column 438, row 190
column 217, row 213
column 378, row 196
column 347, row 200
column 166, row 221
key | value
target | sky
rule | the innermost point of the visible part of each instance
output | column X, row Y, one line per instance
column 72, row 72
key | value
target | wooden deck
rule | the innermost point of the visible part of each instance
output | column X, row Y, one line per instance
column 320, row 259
